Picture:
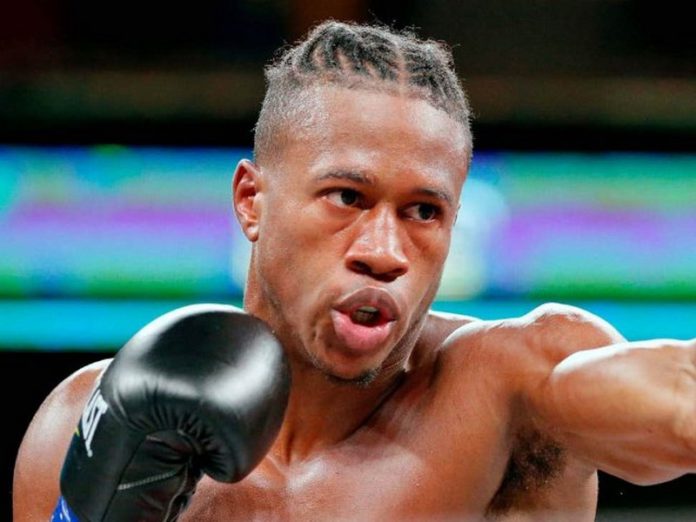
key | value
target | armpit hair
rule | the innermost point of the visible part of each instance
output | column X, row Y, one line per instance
column 535, row 462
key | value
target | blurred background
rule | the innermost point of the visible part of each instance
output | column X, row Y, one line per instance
column 121, row 124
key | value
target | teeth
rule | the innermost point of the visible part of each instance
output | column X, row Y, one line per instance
column 365, row 315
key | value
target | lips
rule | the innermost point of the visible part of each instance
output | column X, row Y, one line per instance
column 364, row 319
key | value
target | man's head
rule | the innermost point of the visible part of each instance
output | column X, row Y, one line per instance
column 362, row 147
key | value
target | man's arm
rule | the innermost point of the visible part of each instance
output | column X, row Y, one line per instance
column 627, row 408
column 41, row 454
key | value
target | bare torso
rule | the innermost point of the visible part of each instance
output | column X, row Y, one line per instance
column 448, row 443
column 406, row 469
column 407, row 463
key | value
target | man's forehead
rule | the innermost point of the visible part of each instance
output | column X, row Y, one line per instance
column 342, row 111
column 335, row 127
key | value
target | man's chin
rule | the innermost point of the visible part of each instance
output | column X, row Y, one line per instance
column 361, row 380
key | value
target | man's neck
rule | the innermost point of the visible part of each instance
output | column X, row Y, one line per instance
column 322, row 413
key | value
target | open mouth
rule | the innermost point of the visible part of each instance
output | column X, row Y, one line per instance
column 365, row 319
column 366, row 316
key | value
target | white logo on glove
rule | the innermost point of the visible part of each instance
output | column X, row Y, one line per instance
column 96, row 407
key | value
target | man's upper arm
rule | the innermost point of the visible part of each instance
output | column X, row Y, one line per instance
column 41, row 454
column 623, row 407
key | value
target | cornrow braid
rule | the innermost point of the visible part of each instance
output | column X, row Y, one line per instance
column 359, row 56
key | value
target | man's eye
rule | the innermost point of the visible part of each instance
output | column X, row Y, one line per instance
column 422, row 212
column 344, row 197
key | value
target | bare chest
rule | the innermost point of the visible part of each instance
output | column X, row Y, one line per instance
column 377, row 487
column 373, row 480
column 429, row 458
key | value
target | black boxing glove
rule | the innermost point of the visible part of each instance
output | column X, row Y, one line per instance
column 202, row 389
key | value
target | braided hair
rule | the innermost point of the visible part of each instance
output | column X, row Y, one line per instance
column 358, row 57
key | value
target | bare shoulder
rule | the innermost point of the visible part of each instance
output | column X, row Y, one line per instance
column 544, row 336
column 437, row 327
column 557, row 330
column 41, row 454
column 508, row 359
column 440, row 325
column 496, row 364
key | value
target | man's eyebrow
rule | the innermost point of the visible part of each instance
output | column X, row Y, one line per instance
column 435, row 193
column 349, row 175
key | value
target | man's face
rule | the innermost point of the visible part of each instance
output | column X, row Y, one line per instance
column 355, row 214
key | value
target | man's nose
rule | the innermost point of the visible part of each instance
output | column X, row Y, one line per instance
column 377, row 249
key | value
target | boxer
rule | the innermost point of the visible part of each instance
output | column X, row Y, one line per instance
column 394, row 412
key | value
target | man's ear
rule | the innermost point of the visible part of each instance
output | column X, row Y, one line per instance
column 246, row 195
